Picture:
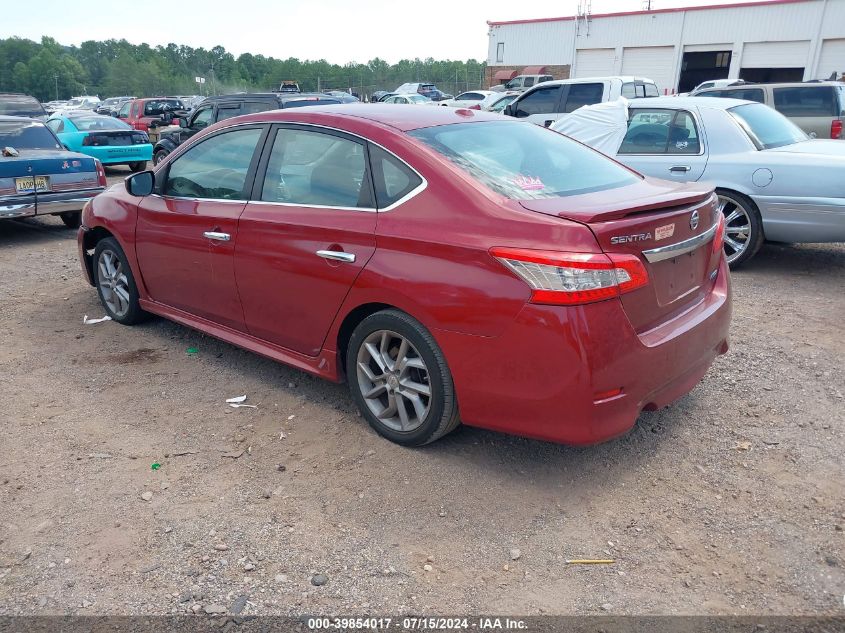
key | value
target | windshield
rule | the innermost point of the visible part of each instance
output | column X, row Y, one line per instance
column 26, row 135
column 767, row 128
column 74, row 102
column 20, row 106
column 417, row 99
column 524, row 161
column 91, row 123
column 502, row 103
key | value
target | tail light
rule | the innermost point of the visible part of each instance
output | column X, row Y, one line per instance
column 836, row 128
column 573, row 278
column 101, row 174
column 719, row 237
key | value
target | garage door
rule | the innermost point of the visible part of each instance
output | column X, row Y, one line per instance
column 595, row 62
column 775, row 54
column 832, row 58
column 654, row 62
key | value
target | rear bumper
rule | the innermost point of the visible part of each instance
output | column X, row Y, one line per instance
column 46, row 204
column 554, row 374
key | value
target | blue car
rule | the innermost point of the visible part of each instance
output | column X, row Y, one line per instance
column 38, row 176
column 107, row 139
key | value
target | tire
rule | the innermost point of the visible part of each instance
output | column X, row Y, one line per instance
column 740, row 212
column 424, row 368
column 118, row 293
column 140, row 165
column 160, row 155
column 71, row 219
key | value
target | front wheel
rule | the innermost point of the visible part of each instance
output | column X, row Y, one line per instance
column 399, row 379
column 743, row 227
column 71, row 219
column 160, row 155
column 115, row 283
column 140, row 165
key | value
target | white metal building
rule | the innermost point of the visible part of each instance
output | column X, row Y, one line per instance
column 777, row 40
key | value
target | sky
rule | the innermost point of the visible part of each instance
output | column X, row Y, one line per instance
column 339, row 31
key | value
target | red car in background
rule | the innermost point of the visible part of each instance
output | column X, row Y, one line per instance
column 142, row 114
column 451, row 265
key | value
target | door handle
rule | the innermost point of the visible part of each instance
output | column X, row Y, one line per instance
column 680, row 168
column 220, row 237
column 339, row 256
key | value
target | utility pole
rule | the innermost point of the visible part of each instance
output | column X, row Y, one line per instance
column 56, row 77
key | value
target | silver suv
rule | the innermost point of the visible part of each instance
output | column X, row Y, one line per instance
column 522, row 83
column 817, row 107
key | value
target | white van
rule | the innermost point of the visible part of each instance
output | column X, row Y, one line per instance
column 547, row 102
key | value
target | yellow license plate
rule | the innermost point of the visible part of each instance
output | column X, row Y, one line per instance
column 30, row 184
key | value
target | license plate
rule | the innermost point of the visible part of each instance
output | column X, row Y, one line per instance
column 30, row 184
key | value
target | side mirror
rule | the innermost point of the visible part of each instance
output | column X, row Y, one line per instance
column 510, row 110
column 140, row 184
column 183, row 123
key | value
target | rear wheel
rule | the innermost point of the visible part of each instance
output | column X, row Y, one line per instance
column 140, row 165
column 743, row 227
column 160, row 155
column 71, row 219
column 399, row 379
column 115, row 283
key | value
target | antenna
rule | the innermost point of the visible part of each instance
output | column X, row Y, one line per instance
column 647, row 5
column 585, row 8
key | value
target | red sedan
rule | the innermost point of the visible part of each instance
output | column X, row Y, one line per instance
column 450, row 265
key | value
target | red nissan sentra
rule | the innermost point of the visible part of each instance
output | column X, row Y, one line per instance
column 450, row 265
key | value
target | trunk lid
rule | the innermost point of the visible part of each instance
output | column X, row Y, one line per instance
column 639, row 219
column 65, row 171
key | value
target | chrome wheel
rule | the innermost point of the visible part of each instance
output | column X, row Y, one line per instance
column 394, row 380
column 737, row 227
column 113, row 283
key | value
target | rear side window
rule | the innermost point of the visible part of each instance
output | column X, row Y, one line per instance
column 216, row 168
column 582, row 95
column 806, row 101
column 633, row 90
column 393, row 179
column 540, row 101
column 316, row 169
column 251, row 107
column 529, row 81
column 661, row 132
column 227, row 111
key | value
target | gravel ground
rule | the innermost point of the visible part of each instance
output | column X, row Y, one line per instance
column 729, row 502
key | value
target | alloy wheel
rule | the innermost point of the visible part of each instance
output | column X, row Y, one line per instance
column 113, row 282
column 737, row 227
column 394, row 380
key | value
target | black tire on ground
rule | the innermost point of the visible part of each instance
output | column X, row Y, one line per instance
column 755, row 238
column 442, row 415
column 140, row 165
column 160, row 155
column 133, row 314
column 71, row 219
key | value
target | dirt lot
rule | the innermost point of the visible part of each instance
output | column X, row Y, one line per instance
column 732, row 501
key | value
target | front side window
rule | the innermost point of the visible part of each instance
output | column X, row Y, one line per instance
column 215, row 168
column 524, row 161
column 124, row 110
column 583, row 95
column 804, row 102
column 316, row 169
column 502, row 103
column 540, row 101
column 202, row 119
column 529, row 81
column 651, row 90
column 767, row 128
column 661, row 132
column 393, row 179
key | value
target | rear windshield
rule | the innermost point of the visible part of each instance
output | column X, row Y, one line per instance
column 20, row 106
column 524, row 161
column 26, row 135
column 91, row 123
column 815, row 101
column 767, row 128
column 160, row 106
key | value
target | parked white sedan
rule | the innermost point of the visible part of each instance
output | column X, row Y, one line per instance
column 773, row 181
column 409, row 99
column 472, row 99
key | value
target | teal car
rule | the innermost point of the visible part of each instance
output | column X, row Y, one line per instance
column 110, row 140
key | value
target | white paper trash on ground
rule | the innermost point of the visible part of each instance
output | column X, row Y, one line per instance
column 87, row 321
column 601, row 126
column 237, row 402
